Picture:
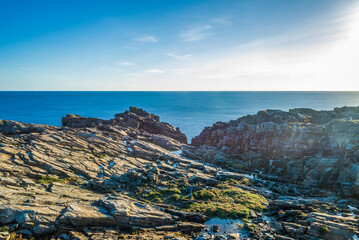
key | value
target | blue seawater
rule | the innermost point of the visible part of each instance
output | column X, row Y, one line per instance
column 190, row 111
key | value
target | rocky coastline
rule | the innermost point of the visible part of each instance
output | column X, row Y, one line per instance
column 314, row 148
column 273, row 175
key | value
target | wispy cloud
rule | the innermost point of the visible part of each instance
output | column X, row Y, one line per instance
column 154, row 71
column 146, row 39
column 196, row 33
column 275, row 63
column 179, row 57
column 225, row 21
column 126, row 64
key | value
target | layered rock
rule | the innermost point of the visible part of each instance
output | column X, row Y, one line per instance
column 119, row 178
column 135, row 119
column 46, row 171
column 318, row 148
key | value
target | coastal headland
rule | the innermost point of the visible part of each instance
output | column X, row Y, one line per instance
column 271, row 175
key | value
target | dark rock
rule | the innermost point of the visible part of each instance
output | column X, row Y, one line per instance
column 215, row 228
column 316, row 148
column 135, row 118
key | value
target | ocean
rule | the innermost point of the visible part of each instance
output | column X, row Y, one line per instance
column 190, row 111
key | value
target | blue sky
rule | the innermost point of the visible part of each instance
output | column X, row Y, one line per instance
column 179, row 45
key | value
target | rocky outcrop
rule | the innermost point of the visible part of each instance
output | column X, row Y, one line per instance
column 297, row 220
column 119, row 178
column 135, row 119
column 114, row 211
column 49, row 174
column 317, row 148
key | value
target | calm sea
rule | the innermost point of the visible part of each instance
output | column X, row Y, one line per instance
column 191, row 111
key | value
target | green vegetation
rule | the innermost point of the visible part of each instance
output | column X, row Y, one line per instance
column 226, row 202
column 13, row 236
column 171, row 191
column 102, row 155
column 246, row 220
column 205, row 194
column 153, row 196
column 4, row 229
column 176, row 197
column 236, row 166
column 105, row 191
column 223, row 201
column 251, row 227
column 323, row 229
column 49, row 180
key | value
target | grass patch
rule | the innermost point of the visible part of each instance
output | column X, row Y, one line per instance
column 49, row 180
column 236, row 166
column 323, row 229
column 4, row 229
column 226, row 202
column 251, row 227
column 171, row 191
column 205, row 194
column 102, row 155
column 223, row 201
column 153, row 196
column 13, row 236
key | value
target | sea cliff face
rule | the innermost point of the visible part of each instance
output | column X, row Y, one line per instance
column 128, row 178
column 316, row 148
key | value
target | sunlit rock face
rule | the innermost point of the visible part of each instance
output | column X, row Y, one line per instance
column 57, row 179
column 135, row 119
column 317, row 148
column 122, row 178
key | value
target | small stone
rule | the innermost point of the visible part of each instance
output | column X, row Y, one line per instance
column 278, row 227
column 252, row 214
column 233, row 236
column 215, row 228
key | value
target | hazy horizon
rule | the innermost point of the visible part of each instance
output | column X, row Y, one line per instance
column 179, row 45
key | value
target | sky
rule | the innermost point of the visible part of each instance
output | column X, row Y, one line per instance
column 179, row 45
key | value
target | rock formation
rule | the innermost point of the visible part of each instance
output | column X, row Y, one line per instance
column 136, row 119
column 126, row 178
column 317, row 148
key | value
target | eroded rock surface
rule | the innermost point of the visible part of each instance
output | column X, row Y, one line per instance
column 126, row 178
column 135, row 119
column 49, row 174
column 316, row 148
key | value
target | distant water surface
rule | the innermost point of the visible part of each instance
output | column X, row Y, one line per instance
column 191, row 111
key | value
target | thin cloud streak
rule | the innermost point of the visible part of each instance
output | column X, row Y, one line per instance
column 196, row 33
column 146, row 39
column 179, row 57
column 319, row 65
column 154, row 71
column 126, row 64
column 225, row 21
